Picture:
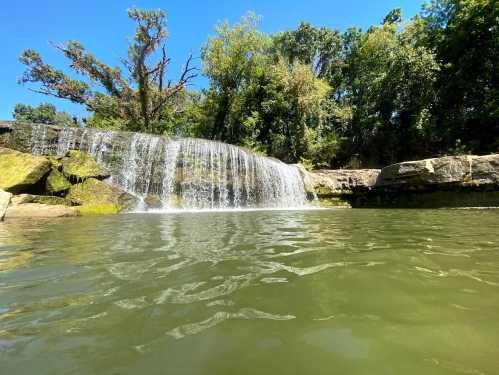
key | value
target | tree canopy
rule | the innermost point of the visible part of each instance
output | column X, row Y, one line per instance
column 400, row 90
column 136, row 100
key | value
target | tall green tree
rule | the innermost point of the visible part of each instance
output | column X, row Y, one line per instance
column 465, row 36
column 135, row 100
column 257, row 98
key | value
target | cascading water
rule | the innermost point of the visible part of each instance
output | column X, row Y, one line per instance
column 183, row 173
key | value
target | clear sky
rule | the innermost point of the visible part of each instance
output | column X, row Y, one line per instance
column 104, row 29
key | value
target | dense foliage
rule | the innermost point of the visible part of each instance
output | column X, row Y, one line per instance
column 399, row 90
column 45, row 113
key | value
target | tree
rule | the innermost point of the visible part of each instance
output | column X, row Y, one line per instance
column 137, row 101
column 45, row 113
column 465, row 37
column 390, row 85
column 256, row 97
column 231, row 59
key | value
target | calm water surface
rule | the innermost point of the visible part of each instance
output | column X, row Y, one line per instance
column 277, row 292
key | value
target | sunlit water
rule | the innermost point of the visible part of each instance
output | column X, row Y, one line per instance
column 277, row 292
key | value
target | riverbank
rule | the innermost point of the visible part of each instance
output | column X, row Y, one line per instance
column 451, row 181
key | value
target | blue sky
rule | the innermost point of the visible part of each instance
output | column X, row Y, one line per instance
column 103, row 27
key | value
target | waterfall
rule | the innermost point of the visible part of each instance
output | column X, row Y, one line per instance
column 185, row 173
column 38, row 139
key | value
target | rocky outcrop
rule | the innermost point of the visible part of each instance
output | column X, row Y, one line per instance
column 20, row 171
column 5, row 198
column 421, row 173
column 334, row 187
column 42, row 190
column 43, row 199
column 56, row 182
column 451, row 181
column 467, row 170
column 78, row 165
column 338, row 182
column 99, row 195
column 37, row 210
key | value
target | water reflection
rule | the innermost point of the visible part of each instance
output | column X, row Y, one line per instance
column 342, row 288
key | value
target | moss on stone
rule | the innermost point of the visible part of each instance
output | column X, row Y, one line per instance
column 20, row 171
column 43, row 199
column 49, row 199
column 98, row 209
column 56, row 182
column 96, row 193
column 79, row 165
column 333, row 202
column 56, row 161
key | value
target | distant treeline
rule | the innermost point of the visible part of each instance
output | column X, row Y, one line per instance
column 403, row 89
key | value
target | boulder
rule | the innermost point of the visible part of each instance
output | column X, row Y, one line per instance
column 485, row 170
column 420, row 173
column 93, row 192
column 97, row 209
column 20, row 171
column 56, row 182
column 37, row 210
column 56, row 161
column 44, row 199
column 5, row 198
column 340, row 181
column 78, row 165
column 153, row 201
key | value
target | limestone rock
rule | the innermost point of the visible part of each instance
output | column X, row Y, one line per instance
column 340, row 181
column 43, row 199
column 93, row 192
column 445, row 170
column 5, row 198
column 20, row 171
column 79, row 166
column 56, row 182
column 37, row 210
column 485, row 169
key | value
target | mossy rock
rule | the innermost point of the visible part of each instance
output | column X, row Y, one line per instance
column 79, row 166
column 42, row 199
column 153, row 201
column 56, row 182
column 93, row 192
column 98, row 209
column 56, row 161
column 331, row 202
column 37, row 210
column 20, row 171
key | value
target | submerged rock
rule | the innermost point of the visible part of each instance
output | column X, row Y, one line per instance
column 5, row 198
column 56, row 182
column 93, row 192
column 78, row 165
column 38, row 210
column 20, row 171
